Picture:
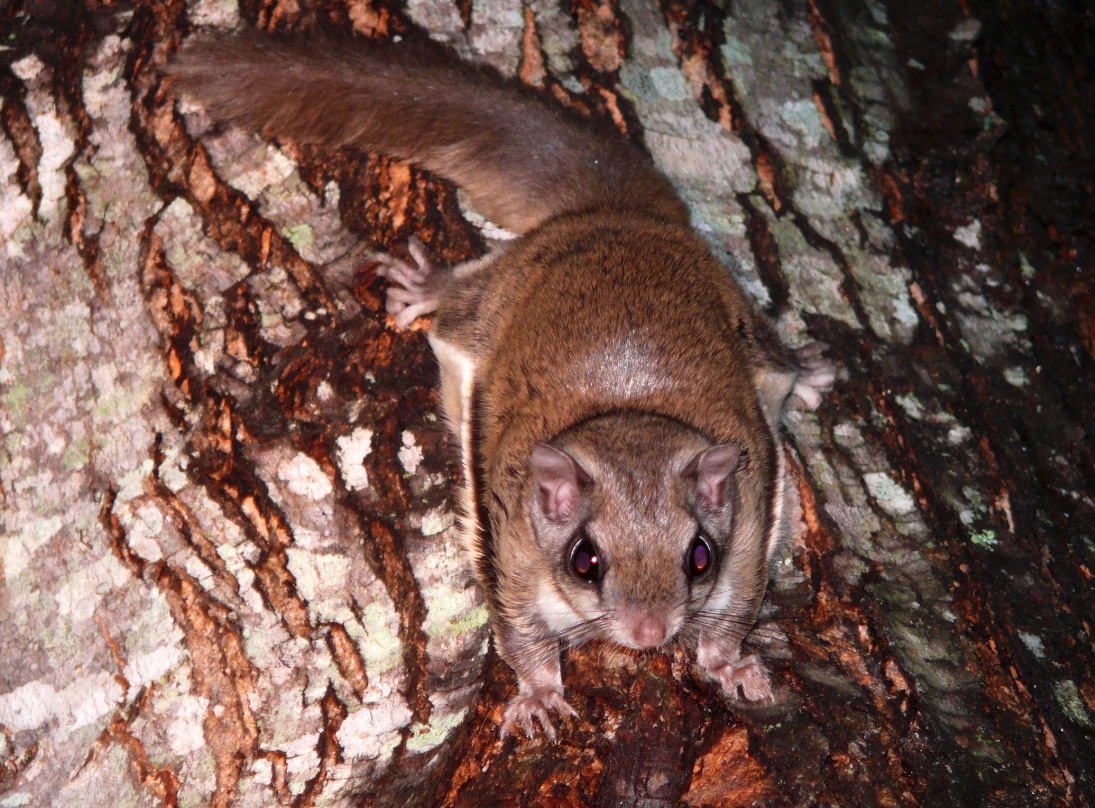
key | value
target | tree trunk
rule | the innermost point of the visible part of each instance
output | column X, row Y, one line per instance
column 230, row 573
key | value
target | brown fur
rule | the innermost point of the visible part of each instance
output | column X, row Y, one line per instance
column 598, row 314
column 608, row 330
column 519, row 159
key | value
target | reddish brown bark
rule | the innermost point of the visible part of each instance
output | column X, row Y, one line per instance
column 953, row 668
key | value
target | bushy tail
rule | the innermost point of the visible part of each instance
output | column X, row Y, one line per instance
column 521, row 159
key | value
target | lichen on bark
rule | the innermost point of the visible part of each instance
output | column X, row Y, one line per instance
column 230, row 570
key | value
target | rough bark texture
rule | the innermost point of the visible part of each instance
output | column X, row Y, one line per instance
column 229, row 570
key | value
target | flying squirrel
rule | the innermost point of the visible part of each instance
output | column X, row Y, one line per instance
column 616, row 397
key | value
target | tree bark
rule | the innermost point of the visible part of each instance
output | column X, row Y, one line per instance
column 230, row 573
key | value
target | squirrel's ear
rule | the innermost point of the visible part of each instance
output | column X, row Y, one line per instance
column 559, row 481
column 710, row 472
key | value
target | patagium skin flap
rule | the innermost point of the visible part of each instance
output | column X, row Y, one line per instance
column 616, row 397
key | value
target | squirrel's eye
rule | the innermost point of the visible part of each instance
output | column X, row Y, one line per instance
column 700, row 557
column 585, row 563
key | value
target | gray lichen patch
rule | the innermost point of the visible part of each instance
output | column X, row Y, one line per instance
column 16, row 208
column 991, row 330
column 425, row 738
column 885, row 295
column 441, row 20
column 267, row 176
column 880, row 528
column 456, row 621
column 329, row 568
column 890, row 496
column 56, row 137
column 559, row 40
column 708, row 165
column 929, row 413
column 448, row 588
column 373, row 732
column 197, row 261
column 958, row 491
column 112, row 161
column 79, row 387
column 1068, row 696
column 351, row 453
column 280, row 306
column 219, row 13
column 813, row 278
column 826, row 185
column 495, row 33
column 969, row 235
column 1033, row 643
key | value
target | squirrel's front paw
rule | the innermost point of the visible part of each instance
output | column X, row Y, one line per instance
column 746, row 673
column 535, row 704
column 413, row 289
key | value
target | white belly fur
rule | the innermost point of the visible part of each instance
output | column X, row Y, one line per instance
column 457, row 386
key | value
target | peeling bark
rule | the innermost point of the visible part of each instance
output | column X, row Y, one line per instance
column 230, row 573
